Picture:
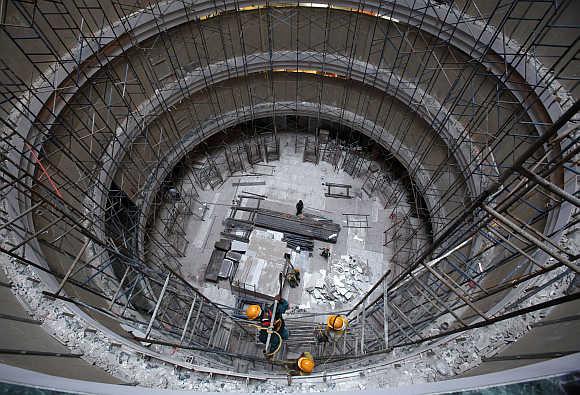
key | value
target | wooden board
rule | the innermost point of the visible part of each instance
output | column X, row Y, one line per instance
column 214, row 265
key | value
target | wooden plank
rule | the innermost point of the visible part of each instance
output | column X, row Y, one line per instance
column 214, row 265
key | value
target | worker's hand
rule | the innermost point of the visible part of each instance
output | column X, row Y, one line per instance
column 278, row 297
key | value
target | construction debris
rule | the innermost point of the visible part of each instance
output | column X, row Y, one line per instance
column 347, row 279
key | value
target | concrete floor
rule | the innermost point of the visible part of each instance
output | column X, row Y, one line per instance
column 292, row 180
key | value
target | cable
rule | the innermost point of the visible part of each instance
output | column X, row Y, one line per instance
column 261, row 328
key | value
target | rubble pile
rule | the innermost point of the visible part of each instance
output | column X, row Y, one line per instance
column 347, row 279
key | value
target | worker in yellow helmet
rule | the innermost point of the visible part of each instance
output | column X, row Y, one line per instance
column 335, row 327
column 336, row 323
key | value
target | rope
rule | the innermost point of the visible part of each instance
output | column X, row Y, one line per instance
column 268, row 330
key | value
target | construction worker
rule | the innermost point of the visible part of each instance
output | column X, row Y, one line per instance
column 300, row 366
column 255, row 312
column 336, row 324
column 334, row 328
column 293, row 278
column 299, row 208
column 293, row 275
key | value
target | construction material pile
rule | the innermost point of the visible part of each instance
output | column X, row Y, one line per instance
column 308, row 225
column 293, row 241
column 347, row 279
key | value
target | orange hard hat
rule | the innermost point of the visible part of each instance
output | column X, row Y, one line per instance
column 306, row 364
column 253, row 311
column 336, row 322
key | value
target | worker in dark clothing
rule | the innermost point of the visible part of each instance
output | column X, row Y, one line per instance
column 255, row 312
column 299, row 208
column 279, row 325
column 293, row 278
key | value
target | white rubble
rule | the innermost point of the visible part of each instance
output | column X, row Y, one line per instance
column 347, row 278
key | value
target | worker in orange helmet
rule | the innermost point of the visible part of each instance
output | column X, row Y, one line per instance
column 301, row 366
column 253, row 311
column 336, row 323
column 265, row 316
column 335, row 327
column 305, row 363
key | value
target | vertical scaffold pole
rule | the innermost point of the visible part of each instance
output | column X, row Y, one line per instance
column 188, row 319
column 363, row 323
column 385, row 315
column 159, row 299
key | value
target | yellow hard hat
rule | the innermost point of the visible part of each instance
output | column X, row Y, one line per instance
column 306, row 364
column 336, row 322
column 253, row 311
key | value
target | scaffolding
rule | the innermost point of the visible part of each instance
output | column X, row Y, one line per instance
column 97, row 114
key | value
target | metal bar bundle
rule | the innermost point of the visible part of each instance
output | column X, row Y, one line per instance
column 314, row 227
column 293, row 241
